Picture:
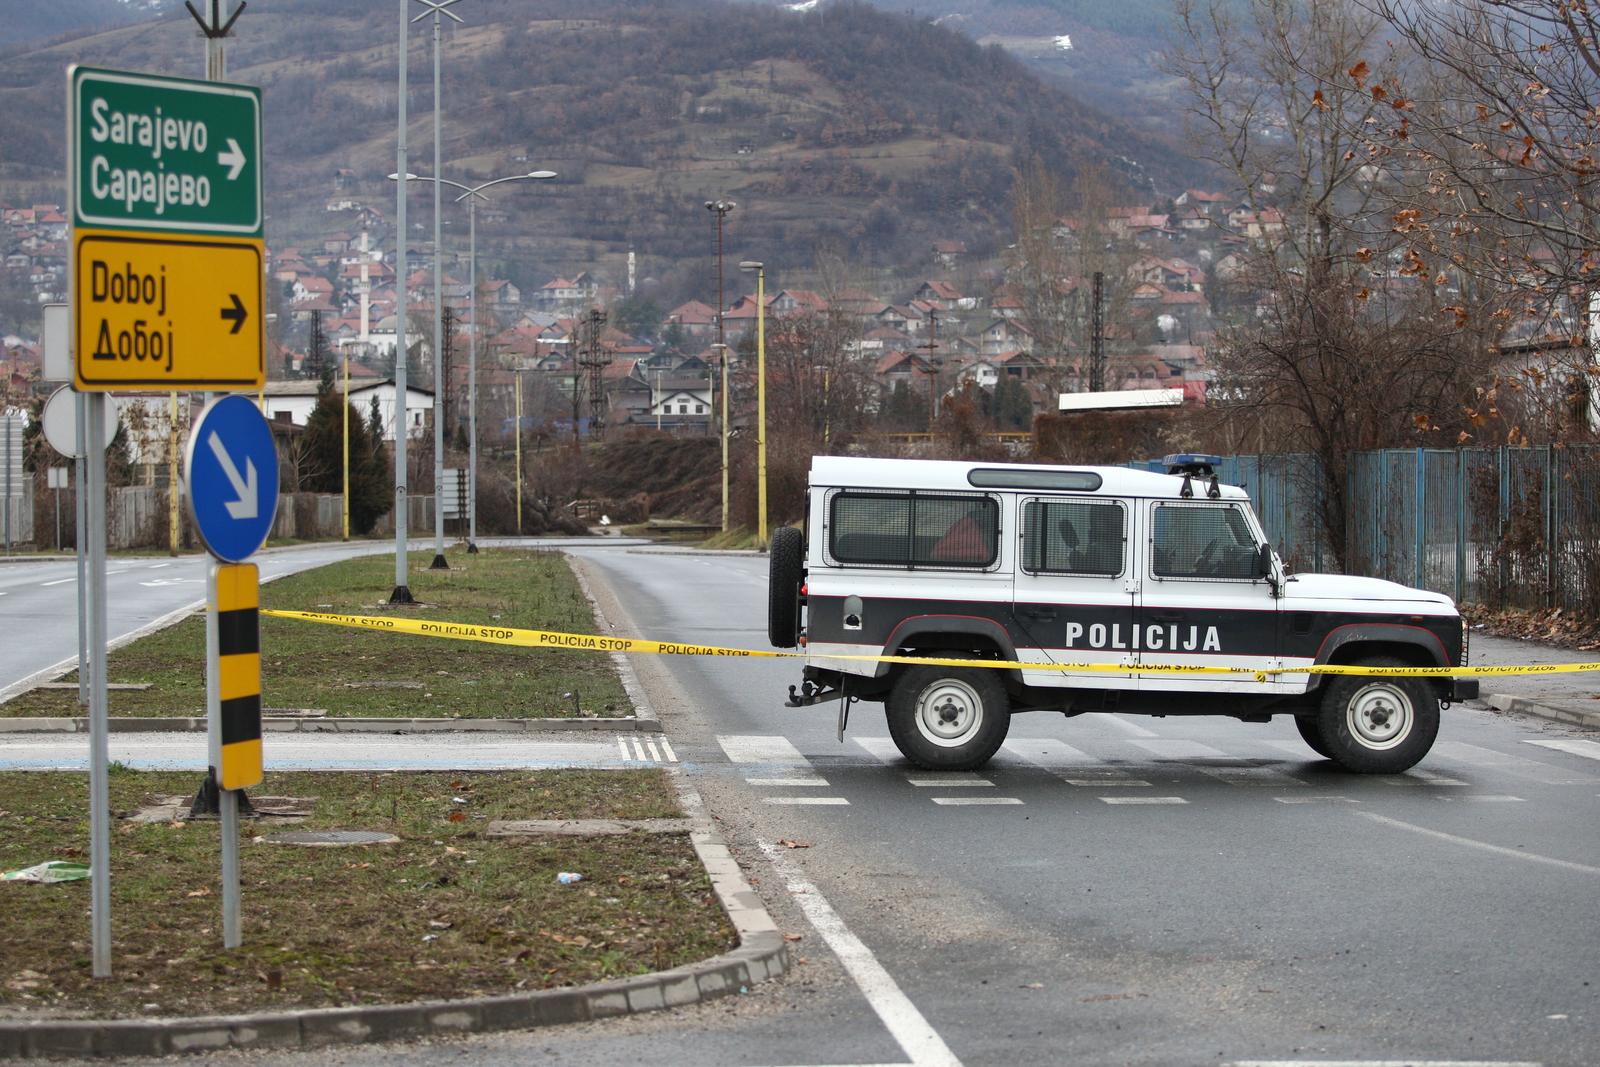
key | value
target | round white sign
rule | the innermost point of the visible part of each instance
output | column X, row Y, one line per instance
column 61, row 421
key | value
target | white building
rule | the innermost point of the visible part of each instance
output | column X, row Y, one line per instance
column 294, row 401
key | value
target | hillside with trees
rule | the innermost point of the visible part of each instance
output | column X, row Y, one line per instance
column 857, row 126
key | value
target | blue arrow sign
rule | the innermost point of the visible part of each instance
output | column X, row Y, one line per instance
column 232, row 471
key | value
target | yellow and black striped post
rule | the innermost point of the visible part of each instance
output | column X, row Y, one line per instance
column 236, row 667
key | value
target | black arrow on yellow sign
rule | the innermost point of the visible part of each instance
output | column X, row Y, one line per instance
column 237, row 313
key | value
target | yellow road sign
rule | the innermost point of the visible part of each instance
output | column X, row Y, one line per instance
column 166, row 312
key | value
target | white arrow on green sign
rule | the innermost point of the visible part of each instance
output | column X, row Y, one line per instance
column 153, row 153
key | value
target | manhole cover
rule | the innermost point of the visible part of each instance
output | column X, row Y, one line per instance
column 331, row 838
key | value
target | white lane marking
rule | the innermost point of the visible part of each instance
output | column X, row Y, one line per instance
column 638, row 750
column 655, row 753
column 158, row 566
column 1133, row 729
column 1520, row 766
column 950, row 781
column 58, row 581
column 974, row 801
column 666, row 746
column 797, row 802
column 1108, row 780
column 622, row 743
column 1488, row 798
column 1072, row 765
column 759, row 748
column 1385, row 1063
column 1587, row 749
column 1484, row 846
column 788, row 783
column 901, row 1017
column 1143, row 800
column 1177, row 748
column 1316, row 800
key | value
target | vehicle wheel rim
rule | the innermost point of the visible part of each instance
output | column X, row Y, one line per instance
column 1379, row 716
column 949, row 713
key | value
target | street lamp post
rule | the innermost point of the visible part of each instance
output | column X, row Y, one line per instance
column 761, row 399
column 472, row 194
column 435, row 9
column 402, row 591
column 519, row 449
column 720, row 208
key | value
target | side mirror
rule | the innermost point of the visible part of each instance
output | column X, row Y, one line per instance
column 1264, row 561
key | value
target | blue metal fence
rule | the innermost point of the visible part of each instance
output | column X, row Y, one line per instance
column 1508, row 527
column 1286, row 491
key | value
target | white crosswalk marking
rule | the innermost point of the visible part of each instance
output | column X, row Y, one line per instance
column 796, row 802
column 950, row 781
column 788, row 783
column 881, row 749
column 1143, row 800
column 974, row 801
column 760, row 748
column 645, row 750
column 1177, row 748
column 1506, row 763
column 1587, row 749
column 1072, row 765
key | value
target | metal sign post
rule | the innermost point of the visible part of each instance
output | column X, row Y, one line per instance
column 99, row 793
column 232, row 472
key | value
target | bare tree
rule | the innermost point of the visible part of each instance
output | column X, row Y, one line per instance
column 1498, row 115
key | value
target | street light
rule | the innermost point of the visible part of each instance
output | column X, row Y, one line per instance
column 720, row 208
column 402, row 591
column 761, row 399
column 472, row 194
column 437, row 8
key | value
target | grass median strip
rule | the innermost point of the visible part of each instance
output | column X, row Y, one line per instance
column 358, row 673
column 447, row 912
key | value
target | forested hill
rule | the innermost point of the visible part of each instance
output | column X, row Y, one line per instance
column 850, row 123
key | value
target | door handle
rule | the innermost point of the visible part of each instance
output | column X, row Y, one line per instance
column 1041, row 614
column 1167, row 616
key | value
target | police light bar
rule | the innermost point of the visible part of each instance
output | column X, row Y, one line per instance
column 1191, row 463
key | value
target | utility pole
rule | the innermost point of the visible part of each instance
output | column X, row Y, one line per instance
column 720, row 209
column 932, row 348
column 1097, row 337
column 594, row 359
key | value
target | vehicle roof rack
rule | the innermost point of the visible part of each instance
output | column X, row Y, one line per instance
column 1195, row 463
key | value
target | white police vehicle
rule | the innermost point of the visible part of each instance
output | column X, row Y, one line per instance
column 1124, row 572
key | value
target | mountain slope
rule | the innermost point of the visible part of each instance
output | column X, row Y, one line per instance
column 851, row 126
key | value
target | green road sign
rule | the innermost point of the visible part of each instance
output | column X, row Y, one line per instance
column 153, row 153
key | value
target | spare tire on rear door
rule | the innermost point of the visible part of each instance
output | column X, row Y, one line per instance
column 785, row 568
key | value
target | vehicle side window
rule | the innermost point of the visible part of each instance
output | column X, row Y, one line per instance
column 1202, row 541
column 1073, row 537
column 914, row 529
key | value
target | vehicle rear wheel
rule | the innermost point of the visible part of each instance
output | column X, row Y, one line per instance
column 1311, row 734
column 1378, row 724
column 785, row 565
column 948, row 718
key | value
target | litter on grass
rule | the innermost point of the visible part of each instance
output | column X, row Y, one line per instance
column 48, row 872
column 569, row 877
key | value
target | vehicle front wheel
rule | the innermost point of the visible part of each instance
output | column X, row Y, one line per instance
column 948, row 718
column 1377, row 724
column 1311, row 733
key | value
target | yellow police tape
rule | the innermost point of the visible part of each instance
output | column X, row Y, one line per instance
column 507, row 635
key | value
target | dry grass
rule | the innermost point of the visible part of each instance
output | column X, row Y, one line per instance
column 445, row 913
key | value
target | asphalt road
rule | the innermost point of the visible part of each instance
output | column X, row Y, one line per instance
column 1111, row 890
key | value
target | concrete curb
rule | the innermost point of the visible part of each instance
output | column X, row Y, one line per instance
column 1525, row 706
column 762, row 954
column 648, row 722
column 296, row 725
